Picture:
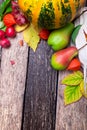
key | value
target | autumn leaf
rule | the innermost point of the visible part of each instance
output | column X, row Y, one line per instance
column 31, row 37
column 72, row 94
column 21, row 28
column 82, row 89
column 73, row 79
column 72, row 91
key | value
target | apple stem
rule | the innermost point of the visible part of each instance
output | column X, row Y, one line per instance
column 82, row 47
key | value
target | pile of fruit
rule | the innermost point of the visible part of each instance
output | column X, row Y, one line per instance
column 10, row 15
column 13, row 20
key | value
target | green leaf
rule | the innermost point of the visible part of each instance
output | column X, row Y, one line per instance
column 73, row 79
column 75, row 33
column 1, row 24
column 72, row 94
column 3, row 6
column 1, row 17
column 8, row 10
column 4, row 28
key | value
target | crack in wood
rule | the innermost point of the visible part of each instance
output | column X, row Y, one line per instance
column 23, row 109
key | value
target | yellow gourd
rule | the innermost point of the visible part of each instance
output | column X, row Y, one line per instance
column 50, row 14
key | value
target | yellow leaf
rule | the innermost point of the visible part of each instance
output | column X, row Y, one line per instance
column 73, row 79
column 21, row 28
column 31, row 37
column 82, row 89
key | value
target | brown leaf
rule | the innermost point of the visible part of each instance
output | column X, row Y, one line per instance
column 21, row 42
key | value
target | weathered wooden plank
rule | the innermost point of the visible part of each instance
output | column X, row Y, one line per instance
column 71, row 117
column 12, row 84
column 1, row 1
column 0, row 46
column 74, row 116
column 40, row 98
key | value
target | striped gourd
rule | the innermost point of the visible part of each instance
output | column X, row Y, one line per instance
column 50, row 14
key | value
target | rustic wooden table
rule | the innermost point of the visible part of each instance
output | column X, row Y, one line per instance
column 28, row 88
column 31, row 94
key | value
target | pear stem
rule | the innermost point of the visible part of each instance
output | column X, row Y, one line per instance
column 82, row 47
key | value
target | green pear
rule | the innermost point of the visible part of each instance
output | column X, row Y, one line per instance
column 61, row 59
column 59, row 39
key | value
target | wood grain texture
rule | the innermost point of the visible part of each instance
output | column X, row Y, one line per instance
column 71, row 117
column 74, row 116
column 1, row 1
column 12, row 84
column 41, row 85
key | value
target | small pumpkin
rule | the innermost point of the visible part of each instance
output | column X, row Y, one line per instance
column 50, row 14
